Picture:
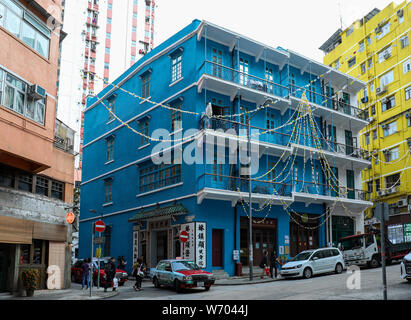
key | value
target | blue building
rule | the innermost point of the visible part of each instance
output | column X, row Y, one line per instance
column 206, row 86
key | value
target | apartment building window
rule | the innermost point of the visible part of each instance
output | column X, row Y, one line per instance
column 374, row 135
column 406, row 66
column 14, row 94
column 270, row 79
column 270, row 122
column 392, row 154
column 404, row 41
column 243, row 71
column 176, row 66
column 367, row 139
column 363, row 68
column 57, row 190
column 388, row 103
column 384, row 54
column 376, row 159
column 369, row 63
column 153, row 177
column 112, row 107
column 407, row 93
column 389, row 129
column 387, row 78
column 352, row 62
column 337, row 64
column 362, row 46
column 384, row 30
column 108, row 20
column 108, row 188
column 176, row 117
column 369, row 186
column 109, row 148
column 373, row 110
column 24, row 26
column 42, row 186
column 369, row 40
column 409, row 122
column 144, row 129
column 145, row 86
column 393, row 180
column 377, row 185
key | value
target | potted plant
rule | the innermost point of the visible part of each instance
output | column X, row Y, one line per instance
column 30, row 278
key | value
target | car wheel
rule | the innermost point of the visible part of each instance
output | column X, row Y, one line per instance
column 208, row 287
column 338, row 268
column 177, row 286
column 156, row 283
column 409, row 280
column 374, row 262
column 307, row 274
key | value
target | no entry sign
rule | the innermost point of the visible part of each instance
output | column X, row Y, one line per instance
column 100, row 226
column 183, row 236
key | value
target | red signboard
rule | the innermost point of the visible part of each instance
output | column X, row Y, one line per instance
column 183, row 236
column 100, row 226
column 70, row 217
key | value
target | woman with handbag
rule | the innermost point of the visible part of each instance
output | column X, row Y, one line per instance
column 264, row 264
column 138, row 274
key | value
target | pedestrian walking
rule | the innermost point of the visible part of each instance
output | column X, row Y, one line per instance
column 123, row 263
column 110, row 270
column 138, row 273
column 264, row 263
column 273, row 263
column 86, row 273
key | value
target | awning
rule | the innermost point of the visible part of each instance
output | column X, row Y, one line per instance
column 173, row 210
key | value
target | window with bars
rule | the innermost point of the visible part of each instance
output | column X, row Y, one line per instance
column 153, row 177
column 112, row 107
column 393, row 180
column 176, row 117
column 57, row 190
column 42, row 186
column 144, row 129
column 108, row 187
column 25, row 182
column 110, row 148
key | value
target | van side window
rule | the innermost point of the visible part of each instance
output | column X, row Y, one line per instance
column 335, row 252
column 327, row 253
column 318, row 254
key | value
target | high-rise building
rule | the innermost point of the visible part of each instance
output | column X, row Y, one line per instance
column 303, row 182
column 376, row 49
column 104, row 38
column 36, row 149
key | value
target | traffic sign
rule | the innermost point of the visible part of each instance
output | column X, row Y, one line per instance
column 70, row 217
column 183, row 236
column 100, row 226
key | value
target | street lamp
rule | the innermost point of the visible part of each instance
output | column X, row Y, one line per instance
column 250, row 211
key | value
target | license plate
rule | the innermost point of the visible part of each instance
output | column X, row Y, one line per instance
column 200, row 284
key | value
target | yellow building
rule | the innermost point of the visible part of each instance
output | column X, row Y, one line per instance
column 376, row 49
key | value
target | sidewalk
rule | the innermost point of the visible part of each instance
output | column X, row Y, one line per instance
column 74, row 293
column 243, row 280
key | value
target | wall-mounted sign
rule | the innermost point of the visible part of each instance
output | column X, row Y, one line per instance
column 195, row 248
column 70, row 217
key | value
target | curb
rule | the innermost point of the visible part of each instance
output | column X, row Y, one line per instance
column 235, row 283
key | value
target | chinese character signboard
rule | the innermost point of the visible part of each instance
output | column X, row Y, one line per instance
column 201, row 244
column 195, row 246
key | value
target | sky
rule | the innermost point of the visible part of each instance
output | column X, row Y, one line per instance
column 300, row 25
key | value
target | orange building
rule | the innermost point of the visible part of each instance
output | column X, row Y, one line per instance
column 36, row 155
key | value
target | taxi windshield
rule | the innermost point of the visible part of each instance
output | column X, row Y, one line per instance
column 185, row 265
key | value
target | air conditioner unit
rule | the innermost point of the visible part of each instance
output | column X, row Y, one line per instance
column 400, row 13
column 381, row 193
column 37, row 92
column 392, row 190
column 402, row 203
column 380, row 90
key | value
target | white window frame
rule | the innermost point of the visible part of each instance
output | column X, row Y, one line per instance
column 406, row 66
column 390, row 129
column 176, row 67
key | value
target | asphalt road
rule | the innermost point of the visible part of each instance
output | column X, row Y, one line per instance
column 325, row 287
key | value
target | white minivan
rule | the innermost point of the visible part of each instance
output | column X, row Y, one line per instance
column 310, row 262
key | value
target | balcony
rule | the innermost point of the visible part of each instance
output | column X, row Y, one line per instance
column 330, row 108
column 233, row 189
column 310, row 192
column 275, row 143
column 228, row 81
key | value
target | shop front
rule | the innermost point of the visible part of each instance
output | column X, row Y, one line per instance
column 304, row 233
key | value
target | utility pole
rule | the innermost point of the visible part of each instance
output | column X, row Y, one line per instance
column 382, row 214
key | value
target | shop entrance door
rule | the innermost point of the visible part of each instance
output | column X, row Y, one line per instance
column 4, row 266
column 304, row 235
column 161, row 245
column 217, row 246
column 263, row 240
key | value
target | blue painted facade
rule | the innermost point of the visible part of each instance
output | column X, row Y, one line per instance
column 200, row 188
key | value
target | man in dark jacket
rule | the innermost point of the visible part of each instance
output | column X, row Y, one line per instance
column 110, row 271
column 273, row 263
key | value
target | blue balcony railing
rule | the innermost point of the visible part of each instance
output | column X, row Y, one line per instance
column 244, row 79
column 330, row 190
column 230, row 183
column 326, row 101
